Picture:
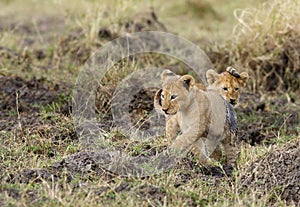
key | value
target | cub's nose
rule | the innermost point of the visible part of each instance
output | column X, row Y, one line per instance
column 165, row 110
column 232, row 101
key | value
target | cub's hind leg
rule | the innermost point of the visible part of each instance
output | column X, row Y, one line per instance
column 199, row 150
column 231, row 148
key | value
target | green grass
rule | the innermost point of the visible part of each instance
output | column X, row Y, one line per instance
column 51, row 136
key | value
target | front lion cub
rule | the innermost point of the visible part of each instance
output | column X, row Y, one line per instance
column 204, row 118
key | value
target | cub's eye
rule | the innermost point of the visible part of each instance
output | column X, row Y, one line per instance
column 225, row 88
column 236, row 89
column 173, row 97
column 162, row 96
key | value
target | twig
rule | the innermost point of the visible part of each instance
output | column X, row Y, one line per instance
column 19, row 116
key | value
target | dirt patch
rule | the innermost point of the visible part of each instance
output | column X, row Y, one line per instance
column 140, row 107
column 139, row 22
column 85, row 164
column 30, row 93
column 151, row 192
column 32, row 175
column 77, row 165
column 21, row 100
column 276, row 174
column 81, row 163
column 144, row 21
column 262, row 119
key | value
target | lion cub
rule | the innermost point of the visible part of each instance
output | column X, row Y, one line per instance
column 228, row 83
column 204, row 118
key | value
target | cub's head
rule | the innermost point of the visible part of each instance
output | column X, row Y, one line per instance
column 228, row 83
column 174, row 95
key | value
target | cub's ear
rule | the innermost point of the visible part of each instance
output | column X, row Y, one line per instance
column 211, row 76
column 245, row 77
column 188, row 81
column 157, row 99
column 233, row 72
column 165, row 74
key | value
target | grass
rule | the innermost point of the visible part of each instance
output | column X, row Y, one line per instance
column 268, row 25
column 50, row 40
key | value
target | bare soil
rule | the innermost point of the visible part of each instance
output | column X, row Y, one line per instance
column 261, row 118
column 22, row 99
column 276, row 174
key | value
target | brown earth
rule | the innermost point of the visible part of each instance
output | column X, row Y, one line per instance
column 275, row 174
column 21, row 100
column 261, row 118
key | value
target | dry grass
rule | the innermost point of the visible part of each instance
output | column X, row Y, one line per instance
column 44, row 43
column 270, row 33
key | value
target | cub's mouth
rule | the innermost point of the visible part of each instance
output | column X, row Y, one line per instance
column 170, row 113
column 232, row 101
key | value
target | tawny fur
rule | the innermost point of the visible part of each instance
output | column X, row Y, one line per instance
column 229, row 83
column 199, row 114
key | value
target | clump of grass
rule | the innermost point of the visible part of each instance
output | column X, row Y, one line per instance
column 266, row 41
column 268, row 20
column 51, row 136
